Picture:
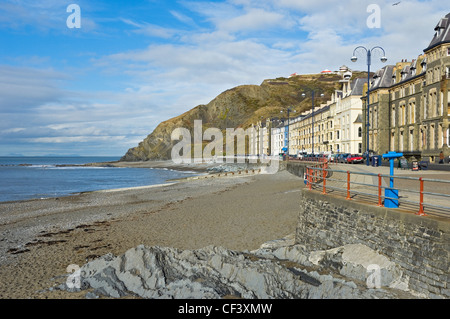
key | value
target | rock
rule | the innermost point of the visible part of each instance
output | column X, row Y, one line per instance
column 358, row 262
column 278, row 269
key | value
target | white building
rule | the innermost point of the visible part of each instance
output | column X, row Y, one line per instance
column 279, row 139
column 347, row 114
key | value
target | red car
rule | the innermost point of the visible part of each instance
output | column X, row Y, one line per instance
column 354, row 158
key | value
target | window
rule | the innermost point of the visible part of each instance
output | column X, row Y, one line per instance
column 411, row 140
column 393, row 116
column 392, row 146
column 401, row 142
column 448, row 136
column 423, row 139
column 402, row 115
column 359, row 131
column 432, row 134
column 412, row 112
column 375, row 118
column 435, row 105
column 359, row 148
column 425, row 107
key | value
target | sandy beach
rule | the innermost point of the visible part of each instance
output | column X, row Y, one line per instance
column 39, row 239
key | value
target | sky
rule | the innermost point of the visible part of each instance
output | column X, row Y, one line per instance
column 96, row 78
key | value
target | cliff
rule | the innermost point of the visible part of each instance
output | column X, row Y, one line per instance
column 238, row 107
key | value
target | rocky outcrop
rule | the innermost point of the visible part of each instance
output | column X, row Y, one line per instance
column 279, row 269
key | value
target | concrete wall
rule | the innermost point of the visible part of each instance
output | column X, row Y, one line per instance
column 295, row 168
column 420, row 245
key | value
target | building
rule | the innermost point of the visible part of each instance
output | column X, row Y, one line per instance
column 334, row 126
column 379, row 111
column 308, row 132
column 279, row 139
column 409, row 102
column 409, row 106
column 346, row 134
column 267, row 137
column 436, row 93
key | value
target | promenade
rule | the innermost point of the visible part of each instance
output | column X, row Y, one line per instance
column 364, row 181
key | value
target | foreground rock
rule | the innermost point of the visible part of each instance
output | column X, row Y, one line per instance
column 276, row 270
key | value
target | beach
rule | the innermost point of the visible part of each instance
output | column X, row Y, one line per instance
column 39, row 239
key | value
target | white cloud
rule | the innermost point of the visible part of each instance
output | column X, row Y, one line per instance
column 43, row 15
column 152, row 30
column 76, row 139
column 183, row 18
column 252, row 20
column 229, row 43
column 22, row 88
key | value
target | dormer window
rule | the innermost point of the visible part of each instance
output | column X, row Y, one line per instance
column 424, row 65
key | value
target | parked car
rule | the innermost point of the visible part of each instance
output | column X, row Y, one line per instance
column 371, row 154
column 343, row 158
column 354, row 158
column 334, row 157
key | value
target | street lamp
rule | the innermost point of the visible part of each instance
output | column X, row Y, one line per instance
column 369, row 60
column 289, row 110
column 312, row 96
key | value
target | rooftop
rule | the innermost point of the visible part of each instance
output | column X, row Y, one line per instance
column 442, row 34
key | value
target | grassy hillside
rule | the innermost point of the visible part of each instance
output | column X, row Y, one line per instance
column 239, row 107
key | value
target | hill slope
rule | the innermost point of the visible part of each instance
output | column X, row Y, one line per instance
column 238, row 107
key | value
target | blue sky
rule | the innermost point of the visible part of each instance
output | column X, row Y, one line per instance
column 102, row 88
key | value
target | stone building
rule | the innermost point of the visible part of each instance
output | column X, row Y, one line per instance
column 409, row 102
column 308, row 132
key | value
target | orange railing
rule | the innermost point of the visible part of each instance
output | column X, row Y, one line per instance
column 412, row 194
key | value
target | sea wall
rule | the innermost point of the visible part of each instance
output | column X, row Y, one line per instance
column 418, row 244
column 295, row 168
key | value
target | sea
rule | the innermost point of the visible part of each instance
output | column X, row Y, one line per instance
column 24, row 178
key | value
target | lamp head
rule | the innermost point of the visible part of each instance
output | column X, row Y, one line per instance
column 354, row 59
column 383, row 59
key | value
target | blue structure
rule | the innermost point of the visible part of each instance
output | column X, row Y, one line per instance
column 286, row 139
column 391, row 194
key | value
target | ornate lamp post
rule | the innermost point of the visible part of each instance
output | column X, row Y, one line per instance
column 369, row 60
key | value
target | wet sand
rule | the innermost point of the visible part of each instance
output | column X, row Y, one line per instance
column 39, row 239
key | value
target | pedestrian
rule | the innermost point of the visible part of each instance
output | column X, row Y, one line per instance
column 441, row 158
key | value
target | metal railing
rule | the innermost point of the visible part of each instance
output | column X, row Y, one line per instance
column 412, row 195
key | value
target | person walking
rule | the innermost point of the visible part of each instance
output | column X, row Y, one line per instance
column 441, row 158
